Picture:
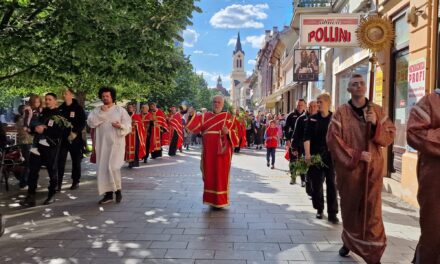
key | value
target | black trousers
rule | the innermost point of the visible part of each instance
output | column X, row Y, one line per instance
column 249, row 137
column 317, row 177
column 173, row 144
column 156, row 154
column 48, row 157
column 270, row 153
column 75, row 150
column 147, row 146
column 25, row 151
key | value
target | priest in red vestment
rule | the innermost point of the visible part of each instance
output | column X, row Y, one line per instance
column 135, row 141
column 219, row 138
column 147, row 122
column 240, row 128
column 176, row 131
column 159, row 127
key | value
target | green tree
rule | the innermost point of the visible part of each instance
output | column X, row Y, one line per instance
column 88, row 43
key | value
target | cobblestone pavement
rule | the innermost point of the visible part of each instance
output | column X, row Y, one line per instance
column 162, row 220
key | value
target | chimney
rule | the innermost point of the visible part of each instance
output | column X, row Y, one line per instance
column 275, row 30
column 286, row 28
column 267, row 38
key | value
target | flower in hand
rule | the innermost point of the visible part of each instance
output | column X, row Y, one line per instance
column 116, row 125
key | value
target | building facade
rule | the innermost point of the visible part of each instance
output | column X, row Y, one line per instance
column 415, row 52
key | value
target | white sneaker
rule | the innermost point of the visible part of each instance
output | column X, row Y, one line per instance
column 35, row 151
column 44, row 142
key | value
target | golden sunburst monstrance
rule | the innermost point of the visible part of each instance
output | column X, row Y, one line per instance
column 375, row 33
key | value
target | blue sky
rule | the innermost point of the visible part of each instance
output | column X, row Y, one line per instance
column 211, row 40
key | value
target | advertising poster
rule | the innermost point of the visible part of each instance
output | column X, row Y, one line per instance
column 306, row 68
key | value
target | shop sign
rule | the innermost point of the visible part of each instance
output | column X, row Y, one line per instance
column 416, row 81
column 378, row 87
column 306, row 67
column 335, row 30
column 416, row 84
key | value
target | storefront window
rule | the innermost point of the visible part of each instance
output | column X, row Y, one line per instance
column 400, row 98
column 344, row 77
column 402, row 32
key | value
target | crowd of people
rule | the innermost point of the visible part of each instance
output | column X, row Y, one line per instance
column 343, row 149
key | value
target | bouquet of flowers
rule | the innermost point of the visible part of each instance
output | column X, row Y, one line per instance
column 64, row 123
column 300, row 166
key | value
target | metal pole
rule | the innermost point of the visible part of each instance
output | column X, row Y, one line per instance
column 373, row 62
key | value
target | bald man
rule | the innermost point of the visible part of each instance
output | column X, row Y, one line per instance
column 219, row 138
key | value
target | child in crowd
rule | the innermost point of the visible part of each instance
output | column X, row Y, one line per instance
column 271, row 140
column 32, row 114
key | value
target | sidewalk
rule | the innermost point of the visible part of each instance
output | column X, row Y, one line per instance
column 162, row 220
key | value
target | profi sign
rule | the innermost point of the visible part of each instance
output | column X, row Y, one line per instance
column 335, row 30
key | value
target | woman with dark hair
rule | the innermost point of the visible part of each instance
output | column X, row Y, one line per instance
column 31, row 114
column 24, row 140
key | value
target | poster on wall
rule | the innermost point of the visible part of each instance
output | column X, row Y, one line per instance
column 378, row 87
column 416, row 84
column 306, row 67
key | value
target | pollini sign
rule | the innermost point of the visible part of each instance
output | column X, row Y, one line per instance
column 334, row 30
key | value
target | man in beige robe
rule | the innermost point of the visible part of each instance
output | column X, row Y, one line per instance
column 346, row 139
column 424, row 135
column 111, row 124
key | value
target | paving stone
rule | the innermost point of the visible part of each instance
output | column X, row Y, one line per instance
column 167, row 245
column 162, row 220
column 237, row 254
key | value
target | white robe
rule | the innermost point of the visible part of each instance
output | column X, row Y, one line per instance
column 109, row 145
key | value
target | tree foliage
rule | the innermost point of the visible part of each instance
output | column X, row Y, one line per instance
column 84, row 44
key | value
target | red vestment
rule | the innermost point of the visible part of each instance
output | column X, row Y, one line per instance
column 216, row 154
column 240, row 130
column 424, row 135
column 271, row 137
column 346, row 139
column 159, row 125
column 146, row 118
column 137, row 130
column 175, row 124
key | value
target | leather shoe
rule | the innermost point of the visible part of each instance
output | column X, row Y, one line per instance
column 49, row 200
column 344, row 251
column 333, row 219
column 319, row 215
column 74, row 186
column 29, row 201
column 118, row 195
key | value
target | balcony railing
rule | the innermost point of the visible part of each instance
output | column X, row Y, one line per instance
column 314, row 3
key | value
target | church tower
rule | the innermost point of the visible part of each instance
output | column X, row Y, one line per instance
column 238, row 74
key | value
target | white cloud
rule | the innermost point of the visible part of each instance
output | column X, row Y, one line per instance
column 201, row 52
column 190, row 36
column 211, row 78
column 252, row 62
column 240, row 16
column 256, row 41
column 232, row 42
